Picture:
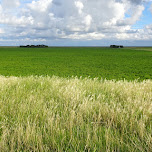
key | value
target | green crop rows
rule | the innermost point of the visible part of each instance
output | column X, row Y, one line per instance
column 107, row 63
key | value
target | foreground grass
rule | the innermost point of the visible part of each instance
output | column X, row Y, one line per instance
column 71, row 114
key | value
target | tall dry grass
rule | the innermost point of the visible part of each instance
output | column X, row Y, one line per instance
column 71, row 114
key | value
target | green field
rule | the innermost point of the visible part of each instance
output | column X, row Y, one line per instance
column 63, row 99
column 128, row 63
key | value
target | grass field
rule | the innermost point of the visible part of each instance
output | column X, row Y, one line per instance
column 71, row 114
column 128, row 63
column 68, row 105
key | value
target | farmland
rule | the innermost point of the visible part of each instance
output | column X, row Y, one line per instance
column 76, row 99
column 128, row 63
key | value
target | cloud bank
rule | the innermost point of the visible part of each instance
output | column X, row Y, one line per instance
column 45, row 20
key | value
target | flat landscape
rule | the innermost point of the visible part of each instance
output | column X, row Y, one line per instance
column 127, row 63
column 76, row 99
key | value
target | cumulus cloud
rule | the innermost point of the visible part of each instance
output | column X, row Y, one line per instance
column 135, row 16
column 1, row 31
column 80, row 6
column 70, row 19
column 7, row 4
column 40, row 6
column 137, row 2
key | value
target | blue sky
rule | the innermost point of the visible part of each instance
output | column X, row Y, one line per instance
column 146, row 17
column 76, row 22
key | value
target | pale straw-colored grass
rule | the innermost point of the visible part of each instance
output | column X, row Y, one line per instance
column 75, row 114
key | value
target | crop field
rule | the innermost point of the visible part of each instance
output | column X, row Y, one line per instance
column 76, row 99
column 128, row 63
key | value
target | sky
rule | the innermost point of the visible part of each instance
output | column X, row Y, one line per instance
column 76, row 22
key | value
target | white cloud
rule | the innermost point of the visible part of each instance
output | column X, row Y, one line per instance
column 135, row 13
column 7, row 4
column 1, row 31
column 72, row 19
column 40, row 6
column 88, row 36
column 80, row 6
